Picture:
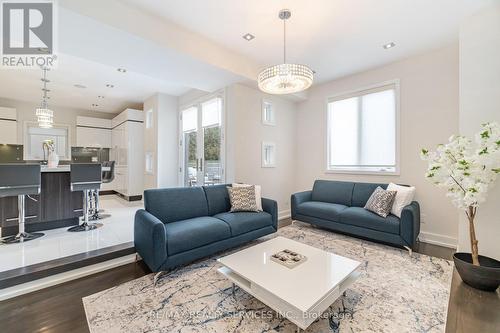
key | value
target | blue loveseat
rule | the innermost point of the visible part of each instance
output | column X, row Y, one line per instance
column 180, row 225
column 338, row 206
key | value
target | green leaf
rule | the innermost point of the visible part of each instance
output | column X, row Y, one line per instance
column 484, row 151
column 473, row 190
column 497, row 170
column 425, row 151
column 485, row 135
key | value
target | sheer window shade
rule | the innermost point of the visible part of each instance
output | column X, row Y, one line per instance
column 362, row 131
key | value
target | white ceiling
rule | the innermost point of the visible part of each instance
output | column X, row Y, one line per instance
column 334, row 37
column 90, row 52
column 130, row 89
column 192, row 49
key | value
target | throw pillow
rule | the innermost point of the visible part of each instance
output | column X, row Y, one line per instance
column 258, row 194
column 404, row 197
column 242, row 199
column 380, row 202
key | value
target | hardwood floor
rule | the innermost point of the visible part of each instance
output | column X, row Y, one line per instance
column 60, row 308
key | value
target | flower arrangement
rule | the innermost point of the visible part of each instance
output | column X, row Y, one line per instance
column 467, row 169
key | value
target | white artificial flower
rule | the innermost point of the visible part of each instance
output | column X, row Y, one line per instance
column 466, row 168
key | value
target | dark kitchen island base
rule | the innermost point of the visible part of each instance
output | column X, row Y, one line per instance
column 55, row 207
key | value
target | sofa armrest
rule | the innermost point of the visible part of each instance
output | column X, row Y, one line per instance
column 297, row 199
column 410, row 223
column 271, row 207
column 150, row 239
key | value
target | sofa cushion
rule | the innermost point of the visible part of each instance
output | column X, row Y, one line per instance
column 175, row 204
column 362, row 192
column 217, row 199
column 322, row 210
column 332, row 192
column 242, row 222
column 192, row 233
column 363, row 218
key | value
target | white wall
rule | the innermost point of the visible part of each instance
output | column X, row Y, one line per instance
column 162, row 140
column 245, row 133
column 62, row 115
column 480, row 102
column 429, row 115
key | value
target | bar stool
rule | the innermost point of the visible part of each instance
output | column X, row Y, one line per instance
column 85, row 177
column 20, row 180
column 107, row 177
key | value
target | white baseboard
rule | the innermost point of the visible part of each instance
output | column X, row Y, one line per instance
column 284, row 214
column 437, row 239
column 49, row 281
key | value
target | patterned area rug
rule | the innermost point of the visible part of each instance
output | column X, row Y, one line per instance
column 395, row 293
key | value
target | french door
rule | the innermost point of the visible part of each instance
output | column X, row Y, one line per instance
column 201, row 143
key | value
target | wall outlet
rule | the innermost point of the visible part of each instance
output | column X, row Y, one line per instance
column 423, row 218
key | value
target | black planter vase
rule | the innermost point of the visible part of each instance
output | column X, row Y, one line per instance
column 484, row 277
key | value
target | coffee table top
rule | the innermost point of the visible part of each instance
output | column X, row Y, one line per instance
column 302, row 286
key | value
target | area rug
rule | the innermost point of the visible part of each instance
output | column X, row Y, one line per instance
column 395, row 293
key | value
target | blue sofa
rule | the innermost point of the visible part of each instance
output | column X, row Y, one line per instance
column 338, row 206
column 180, row 225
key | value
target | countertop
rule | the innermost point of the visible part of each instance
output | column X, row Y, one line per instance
column 64, row 168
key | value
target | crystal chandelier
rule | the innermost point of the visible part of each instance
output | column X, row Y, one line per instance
column 285, row 78
column 44, row 115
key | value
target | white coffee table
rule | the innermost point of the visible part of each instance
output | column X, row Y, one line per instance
column 302, row 293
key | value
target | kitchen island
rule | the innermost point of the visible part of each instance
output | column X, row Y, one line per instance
column 55, row 207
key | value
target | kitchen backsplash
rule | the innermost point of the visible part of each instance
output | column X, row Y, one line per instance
column 11, row 153
column 14, row 154
column 89, row 155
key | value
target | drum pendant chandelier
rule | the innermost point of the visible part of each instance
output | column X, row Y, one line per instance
column 285, row 78
column 44, row 115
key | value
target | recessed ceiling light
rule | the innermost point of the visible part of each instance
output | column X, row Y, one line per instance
column 81, row 86
column 248, row 37
column 122, row 70
column 110, row 85
column 389, row 45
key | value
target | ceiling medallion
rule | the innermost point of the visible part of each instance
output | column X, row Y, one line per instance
column 285, row 78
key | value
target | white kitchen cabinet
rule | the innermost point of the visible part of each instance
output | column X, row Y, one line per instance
column 8, row 126
column 93, row 137
column 127, row 151
column 93, row 132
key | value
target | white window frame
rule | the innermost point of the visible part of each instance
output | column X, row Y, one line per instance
column 272, row 147
column 268, row 121
column 357, row 92
column 197, row 104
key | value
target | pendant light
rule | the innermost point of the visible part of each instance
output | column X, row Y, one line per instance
column 44, row 115
column 285, row 78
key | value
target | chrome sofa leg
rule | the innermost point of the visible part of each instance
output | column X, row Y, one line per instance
column 410, row 251
column 158, row 276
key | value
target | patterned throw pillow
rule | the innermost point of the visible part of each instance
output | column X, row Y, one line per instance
column 242, row 199
column 380, row 201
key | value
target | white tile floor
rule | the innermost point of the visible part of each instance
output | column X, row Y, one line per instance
column 58, row 243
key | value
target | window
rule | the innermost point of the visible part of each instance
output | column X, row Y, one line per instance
column 268, row 114
column 268, row 155
column 201, row 142
column 148, row 168
column 363, row 131
column 149, row 119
